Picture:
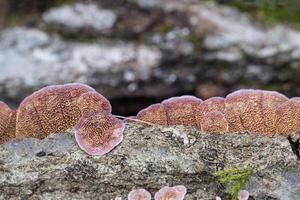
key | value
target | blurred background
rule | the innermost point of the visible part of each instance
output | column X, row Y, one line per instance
column 138, row 52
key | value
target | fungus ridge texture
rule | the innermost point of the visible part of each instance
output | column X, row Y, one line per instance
column 97, row 133
column 7, row 123
column 52, row 109
column 246, row 110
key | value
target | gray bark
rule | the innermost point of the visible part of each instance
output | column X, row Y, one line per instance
column 150, row 158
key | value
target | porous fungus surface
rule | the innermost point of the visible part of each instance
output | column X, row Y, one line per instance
column 171, row 193
column 214, row 122
column 181, row 110
column 97, row 133
column 253, row 111
column 92, row 101
column 209, row 105
column 155, row 114
column 7, row 123
column 52, row 109
column 288, row 117
column 139, row 194
column 245, row 110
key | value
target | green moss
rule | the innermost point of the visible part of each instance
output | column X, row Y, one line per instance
column 234, row 178
column 164, row 28
column 284, row 11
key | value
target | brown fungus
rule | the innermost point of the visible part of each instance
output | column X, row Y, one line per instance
column 155, row 114
column 92, row 101
column 52, row 109
column 209, row 105
column 181, row 110
column 7, row 123
column 288, row 117
column 214, row 122
column 97, row 133
column 252, row 111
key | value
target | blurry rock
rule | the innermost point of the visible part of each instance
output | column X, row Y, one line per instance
column 30, row 59
column 56, row 168
column 73, row 18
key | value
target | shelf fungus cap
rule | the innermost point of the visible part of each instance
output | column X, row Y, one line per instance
column 243, row 195
column 171, row 193
column 214, row 122
column 155, row 114
column 97, row 133
column 52, row 109
column 139, row 194
column 288, row 117
column 209, row 105
column 181, row 110
column 253, row 110
column 92, row 101
column 7, row 123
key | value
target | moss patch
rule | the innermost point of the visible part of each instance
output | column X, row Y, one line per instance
column 234, row 178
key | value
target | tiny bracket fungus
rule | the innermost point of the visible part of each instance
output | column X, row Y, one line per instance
column 7, row 123
column 171, row 193
column 97, row 133
column 139, row 194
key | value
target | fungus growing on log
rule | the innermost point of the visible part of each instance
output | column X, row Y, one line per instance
column 243, row 195
column 92, row 101
column 139, row 194
column 155, row 114
column 7, row 123
column 52, row 109
column 209, row 105
column 171, row 193
column 214, row 122
column 97, row 133
column 253, row 111
column 181, row 110
column 288, row 117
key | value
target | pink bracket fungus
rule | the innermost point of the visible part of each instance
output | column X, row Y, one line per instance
column 214, row 122
column 97, row 133
column 214, row 104
column 139, row 194
column 181, row 110
column 52, row 109
column 288, row 117
column 7, row 123
column 243, row 195
column 155, row 114
column 171, row 193
column 252, row 111
column 92, row 101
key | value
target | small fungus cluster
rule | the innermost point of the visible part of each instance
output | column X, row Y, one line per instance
column 173, row 193
column 166, row 193
column 55, row 109
column 247, row 110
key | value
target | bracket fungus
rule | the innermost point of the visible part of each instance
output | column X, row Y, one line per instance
column 97, row 133
column 246, row 110
column 139, row 194
column 181, row 110
column 155, row 114
column 52, row 109
column 253, row 111
column 171, row 193
column 7, row 123
column 243, row 195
